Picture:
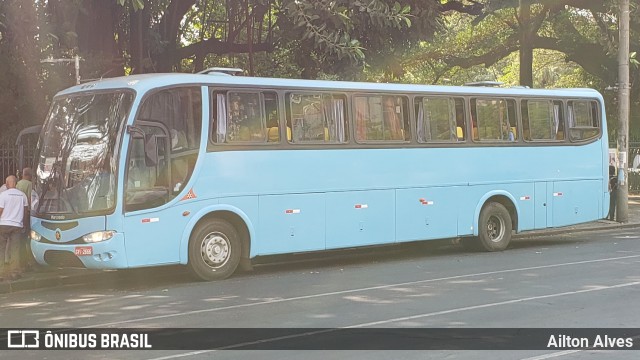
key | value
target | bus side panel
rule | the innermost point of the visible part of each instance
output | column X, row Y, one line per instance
column 360, row 218
column 524, row 194
column 153, row 236
column 427, row 213
column 467, row 199
column 576, row 202
column 291, row 223
column 248, row 205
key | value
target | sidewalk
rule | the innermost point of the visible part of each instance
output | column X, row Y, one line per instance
column 46, row 277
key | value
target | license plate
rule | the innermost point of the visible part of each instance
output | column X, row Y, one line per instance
column 83, row 250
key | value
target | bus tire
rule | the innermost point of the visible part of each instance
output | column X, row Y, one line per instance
column 214, row 250
column 494, row 227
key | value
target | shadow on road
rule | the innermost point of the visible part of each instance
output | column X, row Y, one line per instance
column 175, row 276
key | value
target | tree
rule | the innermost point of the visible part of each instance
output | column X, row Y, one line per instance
column 584, row 31
column 21, row 102
column 114, row 37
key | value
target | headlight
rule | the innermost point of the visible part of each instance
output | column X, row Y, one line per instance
column 35, row 236
column 98, row 236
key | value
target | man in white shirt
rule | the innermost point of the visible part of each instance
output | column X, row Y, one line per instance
column 13, row 211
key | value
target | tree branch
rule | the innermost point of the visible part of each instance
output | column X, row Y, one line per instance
column 475, row 8
column 170, row 23
column 215, row 46
column 489, row 58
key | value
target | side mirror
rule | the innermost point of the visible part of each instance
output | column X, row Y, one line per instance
column 150, row 150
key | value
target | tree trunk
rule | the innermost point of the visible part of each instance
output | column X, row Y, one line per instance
column 96, row 29
column 136, row 43
column 169, row 31
column 526, row 46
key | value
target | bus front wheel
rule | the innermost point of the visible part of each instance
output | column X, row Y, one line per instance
column 494, row 227
column 214, row 250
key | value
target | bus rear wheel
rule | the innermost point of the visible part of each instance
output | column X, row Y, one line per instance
column 214, row 250
column 494, row 227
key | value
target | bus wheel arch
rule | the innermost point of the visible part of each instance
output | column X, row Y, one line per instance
column 508, row 204
column 496, row 220
column 221, row 229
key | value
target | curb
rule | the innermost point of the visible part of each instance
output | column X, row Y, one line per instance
column 569, row 229
column 84, row 276
column 42, row 282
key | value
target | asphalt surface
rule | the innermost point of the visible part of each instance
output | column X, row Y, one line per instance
column 571, row 280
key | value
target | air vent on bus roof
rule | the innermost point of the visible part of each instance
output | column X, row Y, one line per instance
column 222, row 71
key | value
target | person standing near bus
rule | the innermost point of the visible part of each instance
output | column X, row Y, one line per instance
column 613, row 193
column 25, row 184
column 26, row 187
column 13, row 213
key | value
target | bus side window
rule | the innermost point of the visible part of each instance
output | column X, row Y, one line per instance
column 381, row 118
column 244, row 117
column 494, row 119
column 583, row 120
column 542, row 120
column 316, row 118
column 438, row 120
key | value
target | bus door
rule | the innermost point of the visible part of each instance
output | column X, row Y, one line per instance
column 146, row 191
column 154, row 222
column 163, row 151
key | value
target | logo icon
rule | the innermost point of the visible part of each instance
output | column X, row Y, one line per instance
column 58, row 235
column 23, row 339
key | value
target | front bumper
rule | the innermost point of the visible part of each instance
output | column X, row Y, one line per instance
column 108, row 254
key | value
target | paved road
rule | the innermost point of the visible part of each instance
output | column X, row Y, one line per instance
column 572, row 280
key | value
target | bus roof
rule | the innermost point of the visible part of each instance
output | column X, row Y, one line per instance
column 143, row 83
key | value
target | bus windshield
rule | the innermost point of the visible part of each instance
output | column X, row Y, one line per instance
column 77, row 167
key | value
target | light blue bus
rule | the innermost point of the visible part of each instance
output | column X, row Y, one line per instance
column 211, row 171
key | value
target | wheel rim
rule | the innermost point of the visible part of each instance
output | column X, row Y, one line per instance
column 215, row 250
column 495, row 228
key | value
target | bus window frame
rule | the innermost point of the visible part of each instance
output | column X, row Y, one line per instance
column 287, row 114
column 410, row 119
column 563, row 120
column 598, row 114
column 453, row 98
column 494, row 142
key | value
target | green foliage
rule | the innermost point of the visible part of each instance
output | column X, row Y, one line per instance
column 575, row 46
column 375, row 40
column 329, row 24
column 136, row 4
column 345, row 37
